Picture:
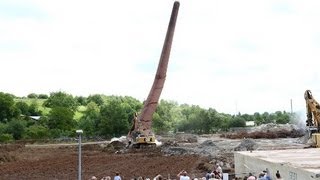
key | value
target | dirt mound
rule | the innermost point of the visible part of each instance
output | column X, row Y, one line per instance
column 209, row 143
column 187, row 138
column 178, row 151
column 117, row 145
column 246, row 145
column 269, row 131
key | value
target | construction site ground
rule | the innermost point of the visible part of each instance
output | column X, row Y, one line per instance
column 193, row 153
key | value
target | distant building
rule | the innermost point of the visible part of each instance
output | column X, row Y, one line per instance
column 249, row 123
column 35, row 117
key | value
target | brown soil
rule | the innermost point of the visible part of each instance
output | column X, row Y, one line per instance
column 53, row 162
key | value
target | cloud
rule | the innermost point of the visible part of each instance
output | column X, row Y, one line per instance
column 247, row 56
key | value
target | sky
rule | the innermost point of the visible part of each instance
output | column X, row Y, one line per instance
column 234, row 56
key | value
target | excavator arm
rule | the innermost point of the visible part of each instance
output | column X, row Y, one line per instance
column 313, row 112
column 141, row 129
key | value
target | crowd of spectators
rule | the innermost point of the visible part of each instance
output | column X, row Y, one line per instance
column 215, row 174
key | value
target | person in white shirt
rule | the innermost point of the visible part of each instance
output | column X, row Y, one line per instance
column 117, row 177
column 183, row 175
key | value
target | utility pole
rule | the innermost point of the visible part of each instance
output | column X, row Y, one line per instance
column 291, row 106
column 79, row 132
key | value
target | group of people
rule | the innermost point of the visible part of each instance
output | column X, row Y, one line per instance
column 264, row 175
column 116, row 177
column 216, row 173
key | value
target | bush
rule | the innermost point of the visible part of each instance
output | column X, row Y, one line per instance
column 4, row 138
column 16, row 128
column 43, row 96
column 32, row 96
column 36, row 132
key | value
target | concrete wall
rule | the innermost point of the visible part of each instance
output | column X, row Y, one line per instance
column 245, row 163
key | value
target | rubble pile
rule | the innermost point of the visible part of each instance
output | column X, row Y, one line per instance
column 246, row 145
column 269, row 131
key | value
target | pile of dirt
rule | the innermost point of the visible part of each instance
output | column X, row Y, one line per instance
column 186, row 138
column 246, row 145
column 115, row 146
column 268, row 131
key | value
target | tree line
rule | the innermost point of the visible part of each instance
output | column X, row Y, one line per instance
column 39, row 116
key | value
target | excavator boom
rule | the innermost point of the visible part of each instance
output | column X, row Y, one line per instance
column 313, row 113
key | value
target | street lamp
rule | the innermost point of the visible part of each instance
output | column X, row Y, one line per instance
column 79, row 132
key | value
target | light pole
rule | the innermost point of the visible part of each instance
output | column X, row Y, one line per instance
column 79, row 132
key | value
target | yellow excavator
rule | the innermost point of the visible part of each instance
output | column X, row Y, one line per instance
column 313, row 116
column 141, row 133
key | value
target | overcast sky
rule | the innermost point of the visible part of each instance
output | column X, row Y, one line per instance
column 233, row 56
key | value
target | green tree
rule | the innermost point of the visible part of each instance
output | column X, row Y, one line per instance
column 114, row 117
column 164, row 117
column 34, row 109
column 282, row 118
column 16, row 127
column 257, row 118
column 61, row 99
column 61, row 118
column 7, row 107
column 36, row 132
column 96, row 98
column 32, row 96
column 81, row 100
column 43, row 96
column 237, row 121
column 23, row 107
column 90, row 120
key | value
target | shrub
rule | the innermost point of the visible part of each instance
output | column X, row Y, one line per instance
column 4, row 138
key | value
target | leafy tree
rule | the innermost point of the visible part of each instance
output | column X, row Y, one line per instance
column 23, row 107
column 225, row 121
column 96, row 98
column 61, row 99
column 114, row 117
column 4, row 138
column 34, row 110
column 258, row 119
column 32, row 96
column 282, row 118
column 36, row 132
column 7, row 108
column 164, row 117
column 3, row 128
column 61, row 118
column 247, row 117
column 213, row 122
column 237, row 121
column 266, row 118
column 43, row 96
column 81, row 100
column 90, row 120
column 16, row 127
column 195, row 119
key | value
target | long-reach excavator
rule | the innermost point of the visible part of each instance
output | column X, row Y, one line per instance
column 313, row 113
column 141, row 133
